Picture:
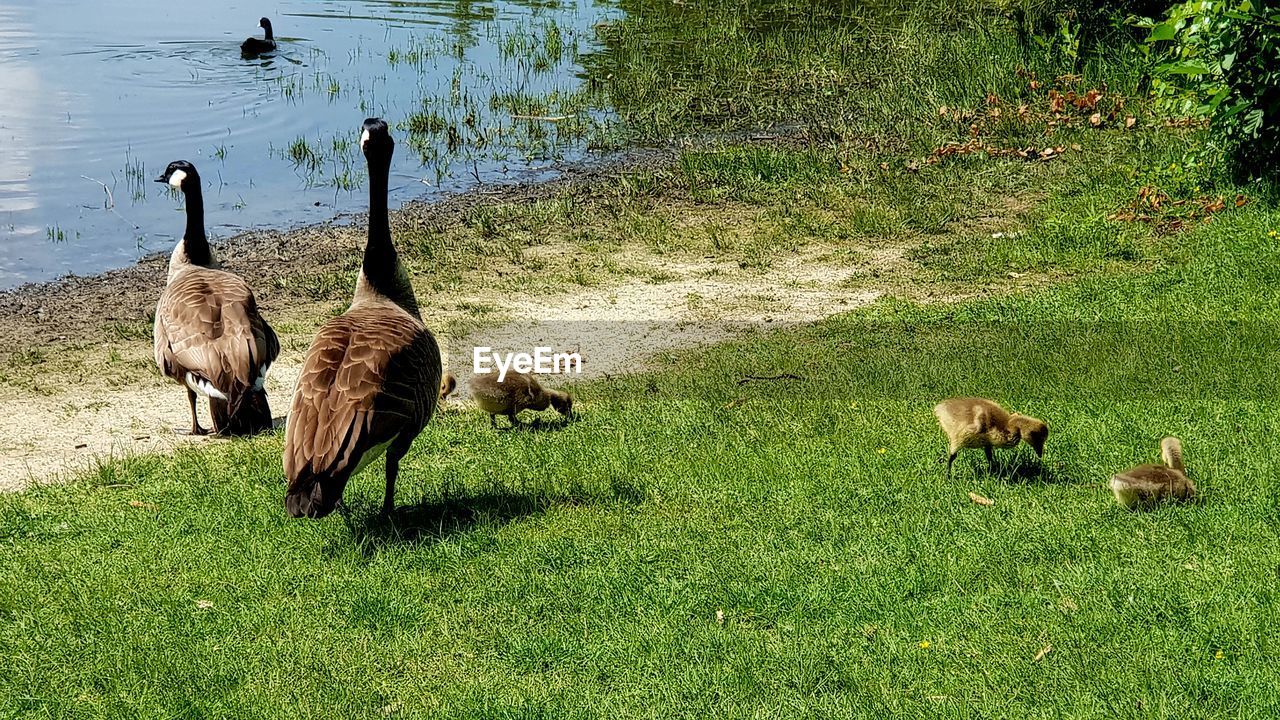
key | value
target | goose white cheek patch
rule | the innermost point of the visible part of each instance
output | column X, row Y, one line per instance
column 364, row 138
column 177, row 177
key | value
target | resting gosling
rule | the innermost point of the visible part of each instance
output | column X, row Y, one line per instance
column 515, row 393
column 980, row 423
column 1146, row 486
column 448, row 385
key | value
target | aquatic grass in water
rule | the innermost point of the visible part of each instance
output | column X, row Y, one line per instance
column 189, row 94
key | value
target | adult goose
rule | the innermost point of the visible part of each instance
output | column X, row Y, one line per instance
column 371, row 378
column 209, row 335
column 257, row 46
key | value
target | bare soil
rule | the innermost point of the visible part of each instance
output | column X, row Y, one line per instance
column 77, row 383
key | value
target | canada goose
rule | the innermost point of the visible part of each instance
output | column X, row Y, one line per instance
column 255, row 46
column 371, row 379
column 1147, row 485
column 979, row 423
column 448, row 385
column 517, row 392
column 208, row 333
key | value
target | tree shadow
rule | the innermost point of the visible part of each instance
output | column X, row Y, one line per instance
column 437, row 519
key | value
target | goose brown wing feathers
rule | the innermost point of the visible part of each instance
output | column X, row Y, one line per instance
column 207, row 323
column 369, row 376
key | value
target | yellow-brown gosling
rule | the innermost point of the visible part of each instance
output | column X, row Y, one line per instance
column 516, row 393
column 371, row 379
column 208, row 333
column 448, row 385
column 1146, row 486
column 981, row 423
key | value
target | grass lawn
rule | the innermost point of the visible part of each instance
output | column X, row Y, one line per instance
column 697, row 547
column 694, row 546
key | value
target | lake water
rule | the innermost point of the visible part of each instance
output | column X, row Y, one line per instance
column 106, row 93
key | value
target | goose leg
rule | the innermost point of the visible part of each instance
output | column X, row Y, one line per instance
column 991, row 459
column 493, row 421
column 515, row 422
column 393, row 470
column 195, row 423
column 950, row 459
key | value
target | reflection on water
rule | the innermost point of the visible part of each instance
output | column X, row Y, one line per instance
column 99, row 96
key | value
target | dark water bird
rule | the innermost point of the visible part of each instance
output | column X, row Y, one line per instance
column 257, row 46
column 209, row 335
column 371, row 378
column 516, row 393
column 1145, row 486
column 981, row 423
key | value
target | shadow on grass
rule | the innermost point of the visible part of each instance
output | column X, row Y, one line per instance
column 1022, row 470
column 541, row 424
column 1026, row 471
column 430, row 521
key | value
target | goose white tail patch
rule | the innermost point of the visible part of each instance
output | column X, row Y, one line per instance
column 177, row 177
column 204, row 387
column 262, row 376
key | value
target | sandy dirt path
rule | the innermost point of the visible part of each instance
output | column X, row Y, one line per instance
column 52, row 437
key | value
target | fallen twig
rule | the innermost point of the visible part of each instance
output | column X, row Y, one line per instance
column 111, row 201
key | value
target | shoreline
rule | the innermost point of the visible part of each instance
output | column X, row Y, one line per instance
column 261, row 256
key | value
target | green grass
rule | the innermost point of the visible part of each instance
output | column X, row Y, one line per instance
column 579, row 572
column 697, row 547
column 858, row 70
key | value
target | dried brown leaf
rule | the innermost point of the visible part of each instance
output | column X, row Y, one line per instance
column 980, row 500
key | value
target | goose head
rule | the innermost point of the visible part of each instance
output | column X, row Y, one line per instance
column 375, row 141
column 180, row 174
column 562, row 403
column 1034, row 432
column 314, row 498
column 265, row 24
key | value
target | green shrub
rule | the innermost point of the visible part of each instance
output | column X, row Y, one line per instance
column 1221, row 61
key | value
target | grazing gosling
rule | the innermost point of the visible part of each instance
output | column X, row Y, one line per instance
column 980, row 423
column 517, row 392
column 448, row 384
column 1145, row 486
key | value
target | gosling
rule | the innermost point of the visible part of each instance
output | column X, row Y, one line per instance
column 448, row 384
column 1145, row 486
column 980, row 423
column 517, row 392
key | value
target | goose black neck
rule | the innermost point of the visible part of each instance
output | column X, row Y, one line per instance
column 267, row 27
column 381, row 265
column 195, row 241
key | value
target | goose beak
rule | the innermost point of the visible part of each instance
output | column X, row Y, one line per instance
column 162, row 179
